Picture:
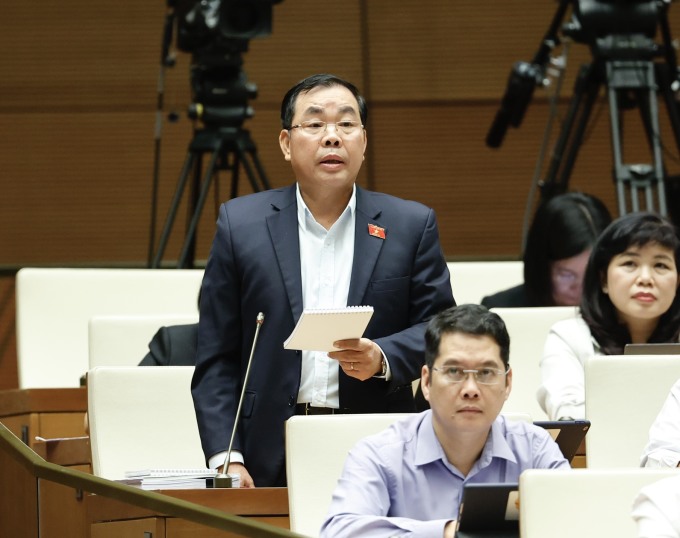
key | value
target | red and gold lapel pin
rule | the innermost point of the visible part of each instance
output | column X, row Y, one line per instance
column 376, row 231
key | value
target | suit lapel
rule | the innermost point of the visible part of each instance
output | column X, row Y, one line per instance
column 283, row 230
column 366, row 247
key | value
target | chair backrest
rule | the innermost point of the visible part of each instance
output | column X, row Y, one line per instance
column 624, row 394
column 316, row 449
column 472, row 281
column 528, row 329
column 588, row 503
column 124, row 340
column 142, row 417
column 54, row 306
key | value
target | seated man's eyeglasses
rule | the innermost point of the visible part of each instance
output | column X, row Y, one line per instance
column 483, row 376
column 317, row 127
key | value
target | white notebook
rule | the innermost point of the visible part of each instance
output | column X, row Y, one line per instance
column 317, row 329
column 173, row 478
column 165, row 473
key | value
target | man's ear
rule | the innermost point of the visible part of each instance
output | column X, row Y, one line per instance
column 425, row 381
column 284, row 142
column 508, row 383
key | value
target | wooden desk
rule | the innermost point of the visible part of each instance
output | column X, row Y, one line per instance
column 579, row 461
column 47, row 413
column 66, row 451
column 113, row 519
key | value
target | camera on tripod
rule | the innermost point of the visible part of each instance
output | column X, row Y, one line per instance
column 612, row 28
column 216, row 33
column 621, row 36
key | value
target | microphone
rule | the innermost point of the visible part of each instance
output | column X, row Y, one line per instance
column 223, row 480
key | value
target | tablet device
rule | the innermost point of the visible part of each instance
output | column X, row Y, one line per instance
column 568, row 434
column 652, row 349
column 489, row 510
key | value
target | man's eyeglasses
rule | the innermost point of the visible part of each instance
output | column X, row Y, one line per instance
column 483, row 376
column 317, row 127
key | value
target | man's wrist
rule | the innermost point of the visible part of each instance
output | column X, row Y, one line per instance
column 382, row 370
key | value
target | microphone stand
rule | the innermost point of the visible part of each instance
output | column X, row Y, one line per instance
column 223, row 480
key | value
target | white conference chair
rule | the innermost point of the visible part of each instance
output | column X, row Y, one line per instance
column 588, row 503
column 472, row 281
column 316, row 449
column 124, row 340
column 54, row 306
column 624, row 394
column 142, row 417
column 528, row 329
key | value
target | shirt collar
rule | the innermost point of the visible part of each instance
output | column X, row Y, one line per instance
column 496, row 445
column 429, row 449
column 303, row 212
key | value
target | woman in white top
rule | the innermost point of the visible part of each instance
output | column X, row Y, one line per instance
column 655, row 509
column 663, row 448
column 629, row 296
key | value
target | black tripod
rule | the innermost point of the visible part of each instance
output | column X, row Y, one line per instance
column 620, row 35
column 229, row 148
column 633, row 81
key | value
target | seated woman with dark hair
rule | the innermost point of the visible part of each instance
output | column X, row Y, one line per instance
column 559, row 241
column 629, row 296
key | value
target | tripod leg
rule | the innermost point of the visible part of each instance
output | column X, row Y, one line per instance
column 260, row 169
column 250, row 173
column 619, row 171
column 671, row 184
column 587, row 85
column 189, row 241
column 172, row 213
column 664, row 81
column 250, row 148
column 245, row 148
column 235, row 173
column 649, row 110
column 641, row 179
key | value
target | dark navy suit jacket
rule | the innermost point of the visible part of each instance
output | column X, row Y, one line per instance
column 254, row 266
column 174, row 345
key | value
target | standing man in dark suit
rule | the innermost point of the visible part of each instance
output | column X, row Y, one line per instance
column 322, row 242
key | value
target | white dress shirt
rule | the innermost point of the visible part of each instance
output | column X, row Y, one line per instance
column 656, row 510
column 326, row 258
column 663, row 448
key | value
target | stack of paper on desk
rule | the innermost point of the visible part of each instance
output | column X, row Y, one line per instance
column 171, row 478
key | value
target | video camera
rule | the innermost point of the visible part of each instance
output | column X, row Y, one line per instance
column 613, row 28
column 216, row 33
column 222, row 23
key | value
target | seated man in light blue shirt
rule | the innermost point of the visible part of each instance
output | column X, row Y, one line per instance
column 408, row 480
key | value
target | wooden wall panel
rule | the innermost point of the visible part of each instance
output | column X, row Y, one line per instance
column 479, row 194
column 79, row 93
column 78, row 99
column 8, row 365
column 452, row 50
column 78, row 102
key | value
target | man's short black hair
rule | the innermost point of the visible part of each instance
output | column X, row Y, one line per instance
column 322, row 79
column 466, row 319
